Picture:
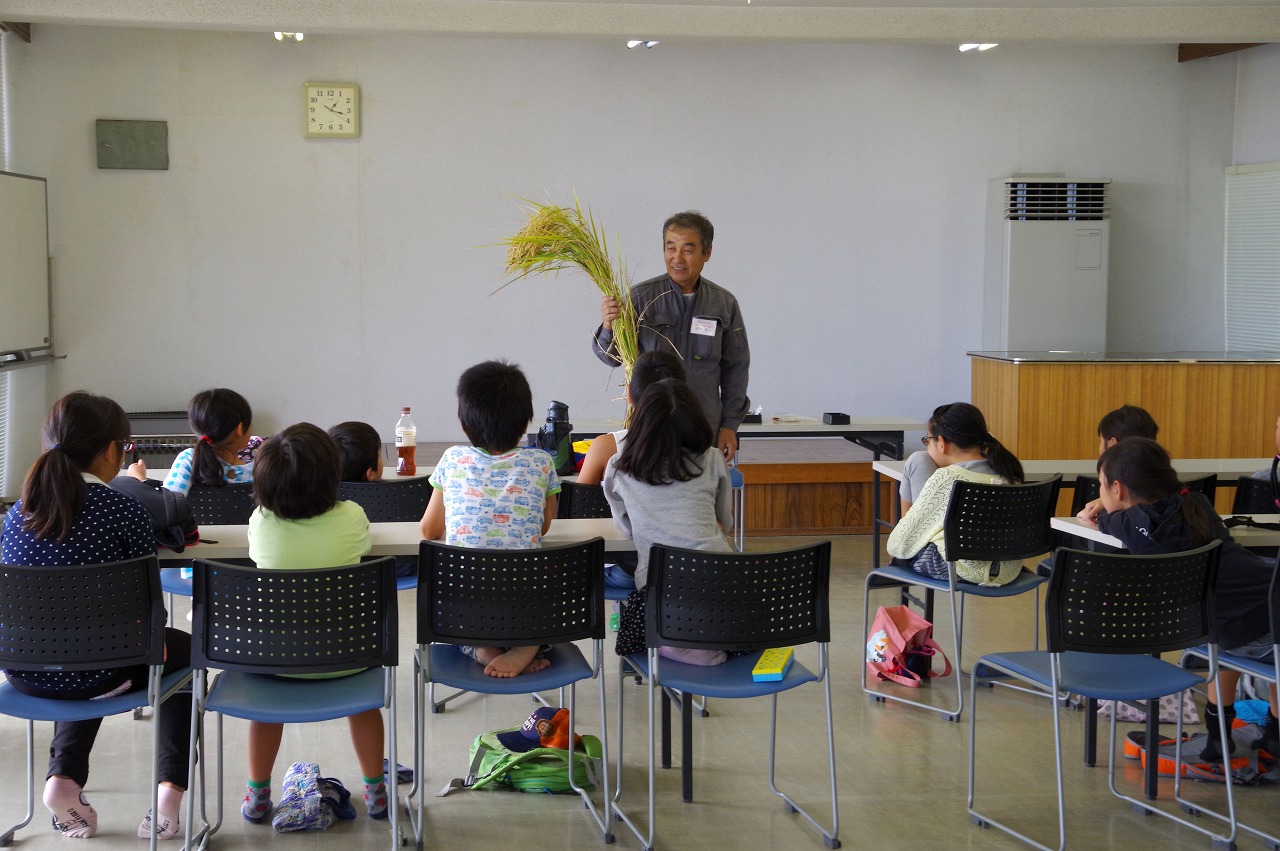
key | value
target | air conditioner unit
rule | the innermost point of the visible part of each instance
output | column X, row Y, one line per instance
column 1046, row 264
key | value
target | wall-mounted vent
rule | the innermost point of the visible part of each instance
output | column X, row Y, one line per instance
column 1056, row 201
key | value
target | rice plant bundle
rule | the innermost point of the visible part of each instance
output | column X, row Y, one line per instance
column 557, row 238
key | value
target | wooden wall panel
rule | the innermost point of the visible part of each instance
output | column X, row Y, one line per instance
column 995, row 392
column 810, row 499
column 1205, row 410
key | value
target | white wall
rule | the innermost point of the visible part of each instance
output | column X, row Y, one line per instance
column 1257, row 118
column 328, row 280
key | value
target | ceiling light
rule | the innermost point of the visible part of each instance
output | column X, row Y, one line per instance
column 639, row 42
column 288, row 36
column 965, row 48
column 980, row 47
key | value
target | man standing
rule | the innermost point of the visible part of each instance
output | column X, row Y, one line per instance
column 698, row 320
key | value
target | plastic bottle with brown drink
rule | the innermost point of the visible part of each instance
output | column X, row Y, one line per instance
column 406, row 445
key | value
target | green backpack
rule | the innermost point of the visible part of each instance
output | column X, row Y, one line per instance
column 535, row 770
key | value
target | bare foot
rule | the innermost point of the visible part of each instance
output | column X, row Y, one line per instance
column 512, row 663
column 538, row 664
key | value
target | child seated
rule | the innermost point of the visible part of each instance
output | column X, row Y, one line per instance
column 360, row 460
column 1144, row 504
column 494, row 493
column 1125, row 421
column 1122, row 423
column 299, row 523
column 959, row 447
column 224, row 449
column 359, row 451
column 668, row 484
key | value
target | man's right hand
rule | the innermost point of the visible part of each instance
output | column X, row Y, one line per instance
column 609, row 310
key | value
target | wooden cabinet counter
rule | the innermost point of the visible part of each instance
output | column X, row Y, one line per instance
column 1045, row 405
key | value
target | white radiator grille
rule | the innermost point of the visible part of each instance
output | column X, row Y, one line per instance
column 1056, row 201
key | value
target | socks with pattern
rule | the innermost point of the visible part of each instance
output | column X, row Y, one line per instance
column 169, row 803
column 257, row 801
column 73, row 817
column 375, row 797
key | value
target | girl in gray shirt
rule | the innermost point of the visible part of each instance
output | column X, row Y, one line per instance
column 669, row 484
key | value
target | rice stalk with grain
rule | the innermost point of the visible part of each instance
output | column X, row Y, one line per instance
column 557, row 238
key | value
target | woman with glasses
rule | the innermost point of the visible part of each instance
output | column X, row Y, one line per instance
column 958, row 446
column 69, row 516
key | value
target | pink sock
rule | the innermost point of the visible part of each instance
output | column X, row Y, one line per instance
column 73, row 817
column 169, row 804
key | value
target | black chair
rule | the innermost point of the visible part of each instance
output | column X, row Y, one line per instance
column 496, row 598
column 1206, row 485
column 1266, row 671
column 1109, row 616
column 229, row 505
column 255, row 625
column 582, row 501
column 114, row 619
column 733, row 602
column 389, row 501
column 1254, row 496
column 984, row 523
column 1088, row 489
column 392, row 501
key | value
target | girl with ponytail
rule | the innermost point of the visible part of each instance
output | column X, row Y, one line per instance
column 223, row 453
column 958, row 446
column 68, row 516
column 1144, row 504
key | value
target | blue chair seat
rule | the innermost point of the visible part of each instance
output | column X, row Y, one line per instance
column 1108, row 618
column 477, row 597
column 451, row 667
column 895, row 574
column 729, row 601
column 732, row 679
column 616, row 595
column 283, row 700
column 1264, row 668
column 261, row 629
column 116, row 621
column 19, row 705
column 985, row 523
column 172, row 582
column 1103, row 676
column 406, row 583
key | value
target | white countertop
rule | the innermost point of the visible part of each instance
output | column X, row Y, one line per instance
column 393, row 539
column 1245, row 535
column 1226, row 469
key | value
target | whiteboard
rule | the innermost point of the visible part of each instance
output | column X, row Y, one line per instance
column 24, row 263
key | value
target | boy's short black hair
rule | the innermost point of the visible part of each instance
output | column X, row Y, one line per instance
column 1127, row 421
column 295, row 473
column 359, row 447
column 495, row 405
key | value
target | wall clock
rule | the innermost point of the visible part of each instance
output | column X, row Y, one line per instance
column 331, row 110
